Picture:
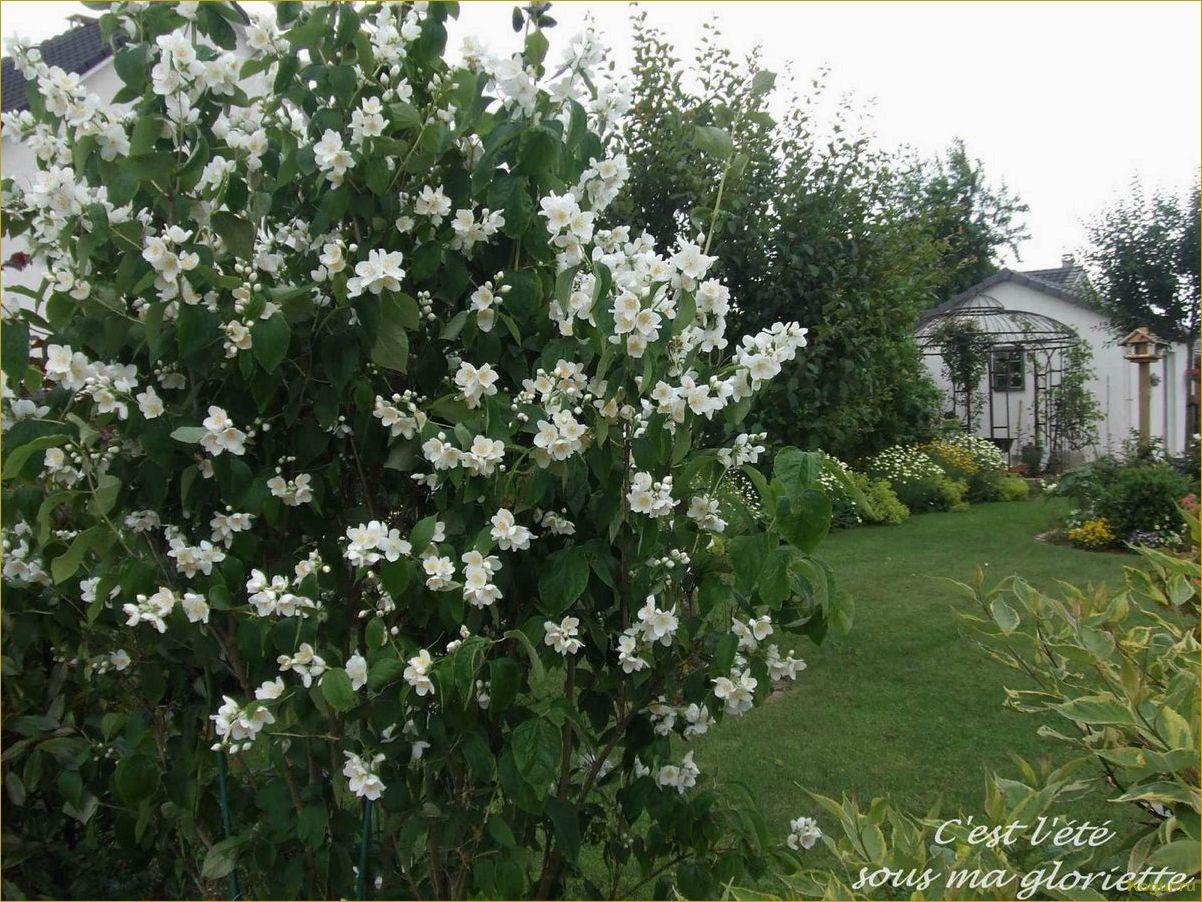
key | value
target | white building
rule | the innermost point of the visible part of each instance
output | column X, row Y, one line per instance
column 1024, row 310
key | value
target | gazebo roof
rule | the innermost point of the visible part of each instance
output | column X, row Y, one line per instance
column 999, row 326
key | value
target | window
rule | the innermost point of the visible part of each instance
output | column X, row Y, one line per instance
column 1008, row 374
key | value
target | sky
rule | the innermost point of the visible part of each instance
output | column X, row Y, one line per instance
column 1064, row 102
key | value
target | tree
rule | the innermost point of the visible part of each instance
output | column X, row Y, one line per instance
column 808, row 227
column 375, row 511
column 969, row 221
column 1143, row 260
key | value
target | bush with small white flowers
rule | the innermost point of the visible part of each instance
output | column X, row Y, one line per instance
column 365, row 524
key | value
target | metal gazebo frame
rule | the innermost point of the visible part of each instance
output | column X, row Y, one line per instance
column 1040, row 338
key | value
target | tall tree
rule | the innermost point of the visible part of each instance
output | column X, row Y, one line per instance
column 1143, row 262
column 969, row 220
column 813, row 223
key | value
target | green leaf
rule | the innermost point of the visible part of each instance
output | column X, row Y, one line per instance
column 1096, row 709
column 311, row 825
column 384, row 671
column 1003, row 615
column 108, row 487
column 149, row 167
column 236, row 232
column 64, row 566
column 505, row 680
column 804, row 519
column 269, row 341
column 221, row 858
column 133, row 65
column 536, row 749
column 399, row 315
column 189, row 434
column 336, row 689
column 136, row 778
column 376, row 633
column 14, row 350
column 763, row 81
column 537, row 671
column 796, row 470
column 563, row 580
column 567, row 826
column 714, row 141
column 1182, row 856
column 423, row 532
column 536, row 47
column 145, row 135
column 747, row 555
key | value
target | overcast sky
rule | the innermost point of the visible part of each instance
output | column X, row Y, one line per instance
column 1063, row 101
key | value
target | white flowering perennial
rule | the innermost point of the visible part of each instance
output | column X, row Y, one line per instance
column 803, row 833
column 361, row 777
column 562, row 636
column 342, row 373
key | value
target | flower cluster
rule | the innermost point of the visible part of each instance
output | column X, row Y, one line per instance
column 1095, row 533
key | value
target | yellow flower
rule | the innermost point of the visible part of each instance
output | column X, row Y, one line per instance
column 1092, row 534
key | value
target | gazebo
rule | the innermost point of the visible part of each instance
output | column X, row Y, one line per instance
column 1005, row 338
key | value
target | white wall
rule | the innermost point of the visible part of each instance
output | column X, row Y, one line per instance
column 1116, row 382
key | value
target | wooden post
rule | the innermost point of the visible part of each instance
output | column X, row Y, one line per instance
column 1145, row 402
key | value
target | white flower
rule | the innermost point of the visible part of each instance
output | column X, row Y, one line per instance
column 367, row 543
column 270, row 689
column 151, row 609
column 803, row 833
column 680, row 777
column 657, row 625
column 306, row 663
column 417, row 674
column 737, row 691
column 562, row 636
column 432, row 202
column 221, row 434
column 381, row 271
column 356, row 669
column 628, row 654
column 119, row 659
column 361, row 777
column 331, row 157
column 649, row 497
column 698, row 717
column 149, row 403
column 508, row 534
column 691, row 261
column 476, row 382
column 195, row 607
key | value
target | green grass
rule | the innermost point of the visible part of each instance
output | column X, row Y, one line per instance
column 904, row 705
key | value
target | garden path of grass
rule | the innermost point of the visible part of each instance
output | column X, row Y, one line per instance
column 904, row 705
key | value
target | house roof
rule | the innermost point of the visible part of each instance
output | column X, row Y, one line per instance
column 1066, row 283
column 78, row 49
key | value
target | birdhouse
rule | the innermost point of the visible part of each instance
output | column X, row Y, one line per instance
column 1141, row 346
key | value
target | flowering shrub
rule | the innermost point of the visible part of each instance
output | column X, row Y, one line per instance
column 1092, row 534
column 855, row 497
column 360, row 518
column 970, row 459
column 1140, row 500
column 918, row 481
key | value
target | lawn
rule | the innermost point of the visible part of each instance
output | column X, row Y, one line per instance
column 903, row 706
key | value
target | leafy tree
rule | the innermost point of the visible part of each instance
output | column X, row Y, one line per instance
column 1143, row 260
column 373, row 513
column 810, row 225
column 969, row 221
